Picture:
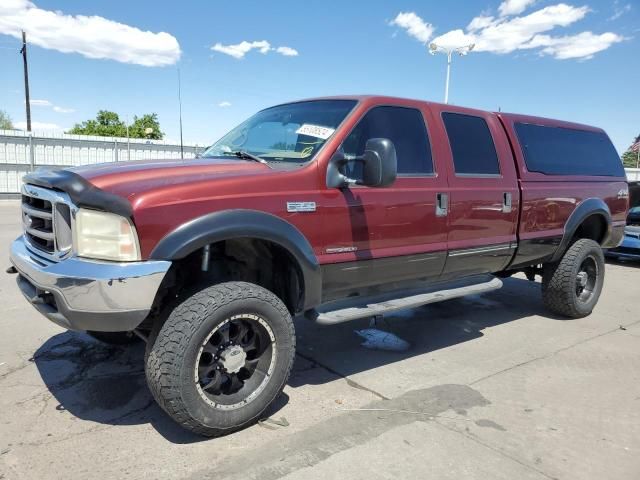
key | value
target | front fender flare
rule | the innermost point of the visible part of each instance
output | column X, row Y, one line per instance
column 241, row 223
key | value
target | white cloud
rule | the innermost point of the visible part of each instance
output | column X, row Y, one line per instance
column 40, row 126
column 93, row 37
column 506, row 34
column 514, row 7
column 583, row 45
column 40, row 103
column 239, row 50
column 414, row 25
column 480, row 22
column 224, row 104
column 48, row 104
column 58, row 109
column 455, row 38
column 619, row 10
column 287, row 51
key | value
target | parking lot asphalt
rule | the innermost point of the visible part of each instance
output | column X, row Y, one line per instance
column 493, row 386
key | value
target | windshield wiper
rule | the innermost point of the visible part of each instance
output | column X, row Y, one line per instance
column 248, row 156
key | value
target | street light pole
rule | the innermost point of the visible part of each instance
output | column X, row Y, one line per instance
column 462, row 51
column 446, row 88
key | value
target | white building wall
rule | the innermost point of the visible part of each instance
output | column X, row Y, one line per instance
column 633, row 174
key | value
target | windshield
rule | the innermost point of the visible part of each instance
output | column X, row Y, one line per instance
column 287, row 133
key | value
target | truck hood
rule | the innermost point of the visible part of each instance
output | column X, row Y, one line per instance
column 132, row 178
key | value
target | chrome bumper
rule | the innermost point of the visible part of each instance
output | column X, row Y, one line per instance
column 80, row 294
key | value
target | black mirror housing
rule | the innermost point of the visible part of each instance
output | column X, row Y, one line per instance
column 379, row 166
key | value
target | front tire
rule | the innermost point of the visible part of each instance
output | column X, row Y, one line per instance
column 572, row 286
column 222, row 357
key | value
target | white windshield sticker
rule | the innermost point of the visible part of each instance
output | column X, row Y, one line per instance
column 315, row 131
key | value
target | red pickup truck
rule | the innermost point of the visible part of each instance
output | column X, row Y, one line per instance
column 330, row 209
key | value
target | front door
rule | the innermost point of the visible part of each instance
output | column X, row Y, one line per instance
column 378, row 236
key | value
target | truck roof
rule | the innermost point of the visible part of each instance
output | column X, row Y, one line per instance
column 509, row 117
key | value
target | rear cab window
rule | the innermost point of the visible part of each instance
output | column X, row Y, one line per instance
column 554, row 150
column 472, row 147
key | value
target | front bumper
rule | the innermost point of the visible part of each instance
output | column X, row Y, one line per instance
column 81, row 294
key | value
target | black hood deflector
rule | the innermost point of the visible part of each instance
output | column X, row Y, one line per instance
column 82, row 192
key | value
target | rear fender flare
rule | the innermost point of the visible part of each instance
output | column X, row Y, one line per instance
column 587, row 208
column 240, row 223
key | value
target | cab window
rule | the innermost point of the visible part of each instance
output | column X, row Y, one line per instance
column 472, row 147
column 404, row 127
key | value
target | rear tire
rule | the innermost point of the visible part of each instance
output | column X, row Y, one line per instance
column 572, row 286
column 221, row 358
column 115, row 338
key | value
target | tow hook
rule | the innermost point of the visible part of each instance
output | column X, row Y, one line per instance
column 11, row 270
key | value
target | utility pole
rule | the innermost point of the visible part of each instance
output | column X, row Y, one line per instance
column 23, row 51
column 462, row 51
column 180, row 107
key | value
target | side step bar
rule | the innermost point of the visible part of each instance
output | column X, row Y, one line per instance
column 346, row 310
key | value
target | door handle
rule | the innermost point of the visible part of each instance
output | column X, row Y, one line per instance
column 506, row 202
column 442, row 204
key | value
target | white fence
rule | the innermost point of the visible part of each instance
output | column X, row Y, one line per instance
column 21, row 153
column 633, row 174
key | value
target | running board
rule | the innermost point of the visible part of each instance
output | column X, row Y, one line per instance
column 383, row 304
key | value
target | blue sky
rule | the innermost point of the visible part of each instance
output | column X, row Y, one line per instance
column 576, row 60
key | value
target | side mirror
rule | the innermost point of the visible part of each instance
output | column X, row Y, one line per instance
column 379, row 166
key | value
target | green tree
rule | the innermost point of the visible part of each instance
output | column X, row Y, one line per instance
column 141, row 126
column 5, row 121
column 630, row 158
column 108, row 124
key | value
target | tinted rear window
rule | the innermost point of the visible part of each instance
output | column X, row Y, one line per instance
column 566, row 151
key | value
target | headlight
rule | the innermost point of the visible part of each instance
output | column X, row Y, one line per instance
column 105, row 236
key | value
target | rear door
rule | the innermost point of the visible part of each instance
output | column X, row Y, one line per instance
column 483, row 192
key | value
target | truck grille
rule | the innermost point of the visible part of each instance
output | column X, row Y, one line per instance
column 46, row 219
column 37, row 218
